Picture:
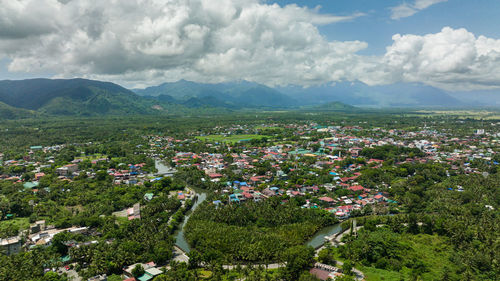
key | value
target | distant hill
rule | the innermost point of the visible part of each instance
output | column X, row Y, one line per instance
column 359, row 94
column 246, row 94
column 72, row 97
column 484, row 98
column 10, row 112
column 241, row 94
column 82, row 97
column 332, row 106
column 208, row 101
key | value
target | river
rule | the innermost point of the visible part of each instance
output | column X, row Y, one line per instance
column 180, row 240
column 319, row 238
column 316, row 241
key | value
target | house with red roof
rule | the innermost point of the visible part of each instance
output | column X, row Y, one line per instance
column 327, row 200
column 247, row 195
column 356, row 188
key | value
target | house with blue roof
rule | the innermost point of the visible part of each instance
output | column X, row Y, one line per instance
column 234, row 198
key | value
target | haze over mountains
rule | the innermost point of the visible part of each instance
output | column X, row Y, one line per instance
column 236, row 94
column 81, row 97
column 248, row 94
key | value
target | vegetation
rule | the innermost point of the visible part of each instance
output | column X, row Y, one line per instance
column 453, row 227
column 254, row 231
column 232, row 138
column 12, row 227
column 441, row 210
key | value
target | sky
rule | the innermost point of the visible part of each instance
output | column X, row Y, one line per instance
column 453, row 45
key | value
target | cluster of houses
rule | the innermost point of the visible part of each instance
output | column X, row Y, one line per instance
column 263, row 171
column 325, row 272
column 334, row 144
column 38, row 234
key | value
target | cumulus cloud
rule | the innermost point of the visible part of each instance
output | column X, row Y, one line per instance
column 407, row 10
column 146, row 42
column 211, row 40
column 452, row 59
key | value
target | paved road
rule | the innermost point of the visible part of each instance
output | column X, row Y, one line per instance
column 72, row 274
column 336, row 239
column 269, row 266
column 358, row 273
column 180, row 255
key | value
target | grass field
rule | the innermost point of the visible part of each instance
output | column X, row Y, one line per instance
column 375, row 274
column 204, row 274
column 462, row 114
column 230, row 138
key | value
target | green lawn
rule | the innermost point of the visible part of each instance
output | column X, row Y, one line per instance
column 375, row 274
column 204, row 274
column 231, row 138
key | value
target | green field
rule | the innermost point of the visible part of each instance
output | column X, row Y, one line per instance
column 375, row 274
column 231, row 138
column 462, row 114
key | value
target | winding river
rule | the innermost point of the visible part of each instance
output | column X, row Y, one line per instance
column 316, row 241
column 180, row 240
column 319, row 238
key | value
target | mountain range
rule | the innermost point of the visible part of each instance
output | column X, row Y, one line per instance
column 69, row 97
column 362, row 95
column 82, row 97
column 242, row 94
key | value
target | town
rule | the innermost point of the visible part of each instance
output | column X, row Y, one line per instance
column 341, row 171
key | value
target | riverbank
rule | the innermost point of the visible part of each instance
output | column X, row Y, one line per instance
column 180, row 240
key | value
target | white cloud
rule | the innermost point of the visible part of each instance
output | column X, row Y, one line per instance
column 453, row 59
column 210, row 40
column 406, row 10
column 146, row 42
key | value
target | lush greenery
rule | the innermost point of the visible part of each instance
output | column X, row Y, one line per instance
column 456, row 228
column 442, row 210
column 254, row 231
column 232, row 138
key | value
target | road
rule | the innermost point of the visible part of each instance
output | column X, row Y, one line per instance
column 269, row 266
column 336, row 240
column 72, row 274
column 359, row 275
column 180, row 255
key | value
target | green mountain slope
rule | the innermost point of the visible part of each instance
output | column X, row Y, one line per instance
column 334, row 106
column 10, row 112
column 241, row 94
column 74, row 97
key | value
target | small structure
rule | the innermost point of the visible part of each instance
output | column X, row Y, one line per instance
column 11, row 245
column 37, row 227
